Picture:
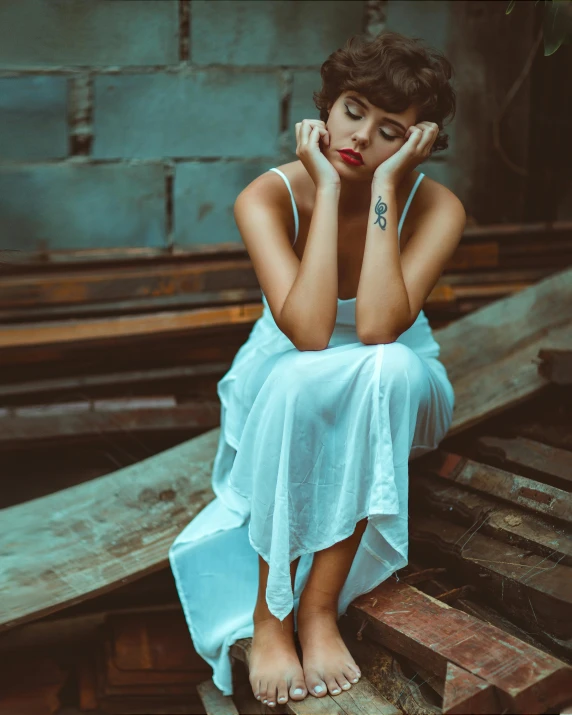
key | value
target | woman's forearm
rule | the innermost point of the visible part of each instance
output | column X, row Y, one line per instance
column 311, row 305
column 382, row 305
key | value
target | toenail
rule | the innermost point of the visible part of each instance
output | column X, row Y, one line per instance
column 282, row 698
column 264, row 700
column 336, row 691
column 271, row 703
column 298, row 691
column 346, row 686
column 355, row 680
column 318, row 689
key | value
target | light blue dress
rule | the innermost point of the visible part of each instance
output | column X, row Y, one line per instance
column 311, row 442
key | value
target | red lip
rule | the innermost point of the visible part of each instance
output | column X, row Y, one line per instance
column 352, row 154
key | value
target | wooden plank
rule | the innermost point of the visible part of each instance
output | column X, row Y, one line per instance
column 361, row 699
column 507, row 326
column 119, row 382
column 466, row 693
column 214, row 702
column 86, row 540
column 541, row 461
column 156, row 325
column 556, row 366
column 534, row 589
column 104, row 417
column 433, row 634
column 512, row 488
column 490, row 354
column 508, row 524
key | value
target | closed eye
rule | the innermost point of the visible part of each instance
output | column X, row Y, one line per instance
column 355, row 116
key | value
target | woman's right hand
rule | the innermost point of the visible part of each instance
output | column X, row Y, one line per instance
column 309, row 132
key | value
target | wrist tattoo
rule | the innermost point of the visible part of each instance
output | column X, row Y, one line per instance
column 380, row 209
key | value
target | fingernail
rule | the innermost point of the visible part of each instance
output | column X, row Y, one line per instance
column 318, row 689
column 298, row 691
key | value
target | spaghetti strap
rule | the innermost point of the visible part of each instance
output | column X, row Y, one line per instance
column 408, row 203
column 294, row 207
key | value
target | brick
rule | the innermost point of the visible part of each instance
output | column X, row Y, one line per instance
column 205, row 193
column 33, row 118
column 209, row 113
column 281, row 32
column 52, row 33
column 71, row 206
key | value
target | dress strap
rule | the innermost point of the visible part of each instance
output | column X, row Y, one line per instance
column 408, row 203
column 294, row 207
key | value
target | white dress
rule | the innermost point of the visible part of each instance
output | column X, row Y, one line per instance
column 311, row 442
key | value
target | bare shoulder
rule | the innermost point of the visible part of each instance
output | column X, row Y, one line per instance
column 435, row 196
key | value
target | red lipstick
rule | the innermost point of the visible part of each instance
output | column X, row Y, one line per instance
column 351, row 157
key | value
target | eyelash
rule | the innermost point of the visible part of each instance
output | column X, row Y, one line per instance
column 386, row 136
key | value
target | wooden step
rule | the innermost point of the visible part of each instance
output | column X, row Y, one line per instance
column 361, row 699
column 214, row 702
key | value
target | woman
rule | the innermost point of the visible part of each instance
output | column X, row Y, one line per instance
column 339, row 382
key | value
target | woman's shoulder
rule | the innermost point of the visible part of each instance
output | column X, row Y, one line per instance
column 432, row 192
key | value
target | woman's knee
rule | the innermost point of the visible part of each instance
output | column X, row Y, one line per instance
column 401, row 363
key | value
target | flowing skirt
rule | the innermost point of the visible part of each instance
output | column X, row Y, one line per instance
column 311, row 443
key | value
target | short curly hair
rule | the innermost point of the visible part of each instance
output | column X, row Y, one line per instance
column 393, row 72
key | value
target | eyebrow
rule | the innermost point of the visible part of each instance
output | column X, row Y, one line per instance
column 385, row 119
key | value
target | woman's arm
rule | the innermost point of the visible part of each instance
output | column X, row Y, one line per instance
column 309, row 311
column 394, row 287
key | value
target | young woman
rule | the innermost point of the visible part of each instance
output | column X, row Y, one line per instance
column 339, row 382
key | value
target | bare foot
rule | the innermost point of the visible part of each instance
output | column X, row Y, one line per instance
column 328, row 665
column 275, row 670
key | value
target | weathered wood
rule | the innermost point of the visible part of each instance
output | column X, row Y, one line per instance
column 361, row 699
column 511, row 525
column 86, row 540
column 155, row 324
column 541, row 461
column 384, row 670
column 533, row 588
column 181, row 377
column 556, row 366
column 489, row 354
column 466, row 693
column 214, row 702
column 104, row 417
column 434, row 634
column 513, row 488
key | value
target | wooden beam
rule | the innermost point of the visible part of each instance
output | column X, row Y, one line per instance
column 433, row 634
column 511, row 488
column 86, row 540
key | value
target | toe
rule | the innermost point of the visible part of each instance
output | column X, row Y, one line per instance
column 271, row 695
column 282, row 692
column 352, row 673
column 333, row 686
column 298, row 690
column 316, row 685
column 343, row 682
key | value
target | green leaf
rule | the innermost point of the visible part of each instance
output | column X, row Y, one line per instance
column 557, row 24
column 510, row 7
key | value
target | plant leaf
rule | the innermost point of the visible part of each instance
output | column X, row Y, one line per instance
column 557, row 24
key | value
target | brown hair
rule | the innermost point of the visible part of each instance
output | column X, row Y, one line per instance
column 393, row 72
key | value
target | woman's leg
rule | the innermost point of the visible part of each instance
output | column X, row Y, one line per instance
column 275, row 670
column 327, row 663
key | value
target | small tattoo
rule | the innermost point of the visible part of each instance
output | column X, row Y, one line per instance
column 380, row 209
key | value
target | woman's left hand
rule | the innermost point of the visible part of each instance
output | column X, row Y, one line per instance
column 419, row 139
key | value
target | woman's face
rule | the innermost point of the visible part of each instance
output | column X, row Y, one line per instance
column 355, row 123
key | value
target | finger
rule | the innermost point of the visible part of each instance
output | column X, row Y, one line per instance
column 427, row 140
